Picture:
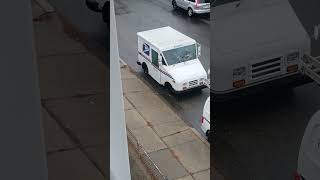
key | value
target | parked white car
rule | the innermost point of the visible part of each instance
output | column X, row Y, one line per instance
column 192, row 6
column 205, row 118
column 172, row 59
column 309, row 155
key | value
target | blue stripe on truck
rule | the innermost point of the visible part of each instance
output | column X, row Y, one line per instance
column 165, row 73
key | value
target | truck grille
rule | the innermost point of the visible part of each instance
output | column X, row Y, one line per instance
column 193, row 83
column 266, row 68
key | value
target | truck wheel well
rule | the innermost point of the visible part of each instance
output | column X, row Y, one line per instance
column 144, row 65
column 167, row 84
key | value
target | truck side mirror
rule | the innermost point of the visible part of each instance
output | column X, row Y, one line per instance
column 199, row 49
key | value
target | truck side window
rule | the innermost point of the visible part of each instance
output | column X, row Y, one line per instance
column 155, row 57
column 163, row 62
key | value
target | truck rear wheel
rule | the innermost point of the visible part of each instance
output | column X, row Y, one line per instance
column 145, row 68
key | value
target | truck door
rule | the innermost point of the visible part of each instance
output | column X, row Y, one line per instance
column 154, row 71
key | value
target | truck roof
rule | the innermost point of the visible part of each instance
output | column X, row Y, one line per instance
column 165, row 37
column 248, row 27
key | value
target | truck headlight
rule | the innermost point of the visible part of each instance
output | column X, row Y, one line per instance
column 241, row 71
column 293, row 57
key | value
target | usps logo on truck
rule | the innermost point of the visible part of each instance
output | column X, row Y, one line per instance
column 146, row 49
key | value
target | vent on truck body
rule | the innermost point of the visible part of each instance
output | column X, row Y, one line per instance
column 266, row 68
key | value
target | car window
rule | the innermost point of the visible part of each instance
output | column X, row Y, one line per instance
column 204, row 1
column 221, row 2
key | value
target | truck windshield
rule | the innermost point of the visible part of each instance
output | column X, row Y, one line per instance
column 182, row 54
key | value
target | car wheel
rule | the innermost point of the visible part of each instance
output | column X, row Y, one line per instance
column 106, row 12
column 190, row 12
column 145, row 68
column 208, row 134
column 174, row 5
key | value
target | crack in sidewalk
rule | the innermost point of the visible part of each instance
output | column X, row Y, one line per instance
column 73, row 138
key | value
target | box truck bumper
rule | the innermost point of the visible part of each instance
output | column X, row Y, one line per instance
column 281, row 83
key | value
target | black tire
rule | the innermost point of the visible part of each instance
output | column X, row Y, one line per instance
column 106, row 13
column 190, row 12
column 145, row 69
column 174, row 5
column 209, row 136
column 170, row 88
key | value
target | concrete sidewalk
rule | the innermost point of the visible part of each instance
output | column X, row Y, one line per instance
column 72, row 85
column 177, row 149
column 73, row 92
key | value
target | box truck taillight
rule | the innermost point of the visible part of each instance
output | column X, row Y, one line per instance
column 292, row 68
column 238, row 84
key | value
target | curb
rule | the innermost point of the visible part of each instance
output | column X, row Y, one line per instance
column 122, row 63
column 200, row 137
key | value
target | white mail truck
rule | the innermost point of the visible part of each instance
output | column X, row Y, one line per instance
column 172, row 59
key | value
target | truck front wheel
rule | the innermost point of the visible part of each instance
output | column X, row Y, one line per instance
column 170, row 88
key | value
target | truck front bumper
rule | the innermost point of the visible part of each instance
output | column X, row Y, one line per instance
column 191, row 89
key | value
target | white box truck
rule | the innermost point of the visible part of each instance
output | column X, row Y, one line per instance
column 256, row 44
column 172, row 59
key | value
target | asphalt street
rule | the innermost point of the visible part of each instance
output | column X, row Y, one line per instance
column 258, row 137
